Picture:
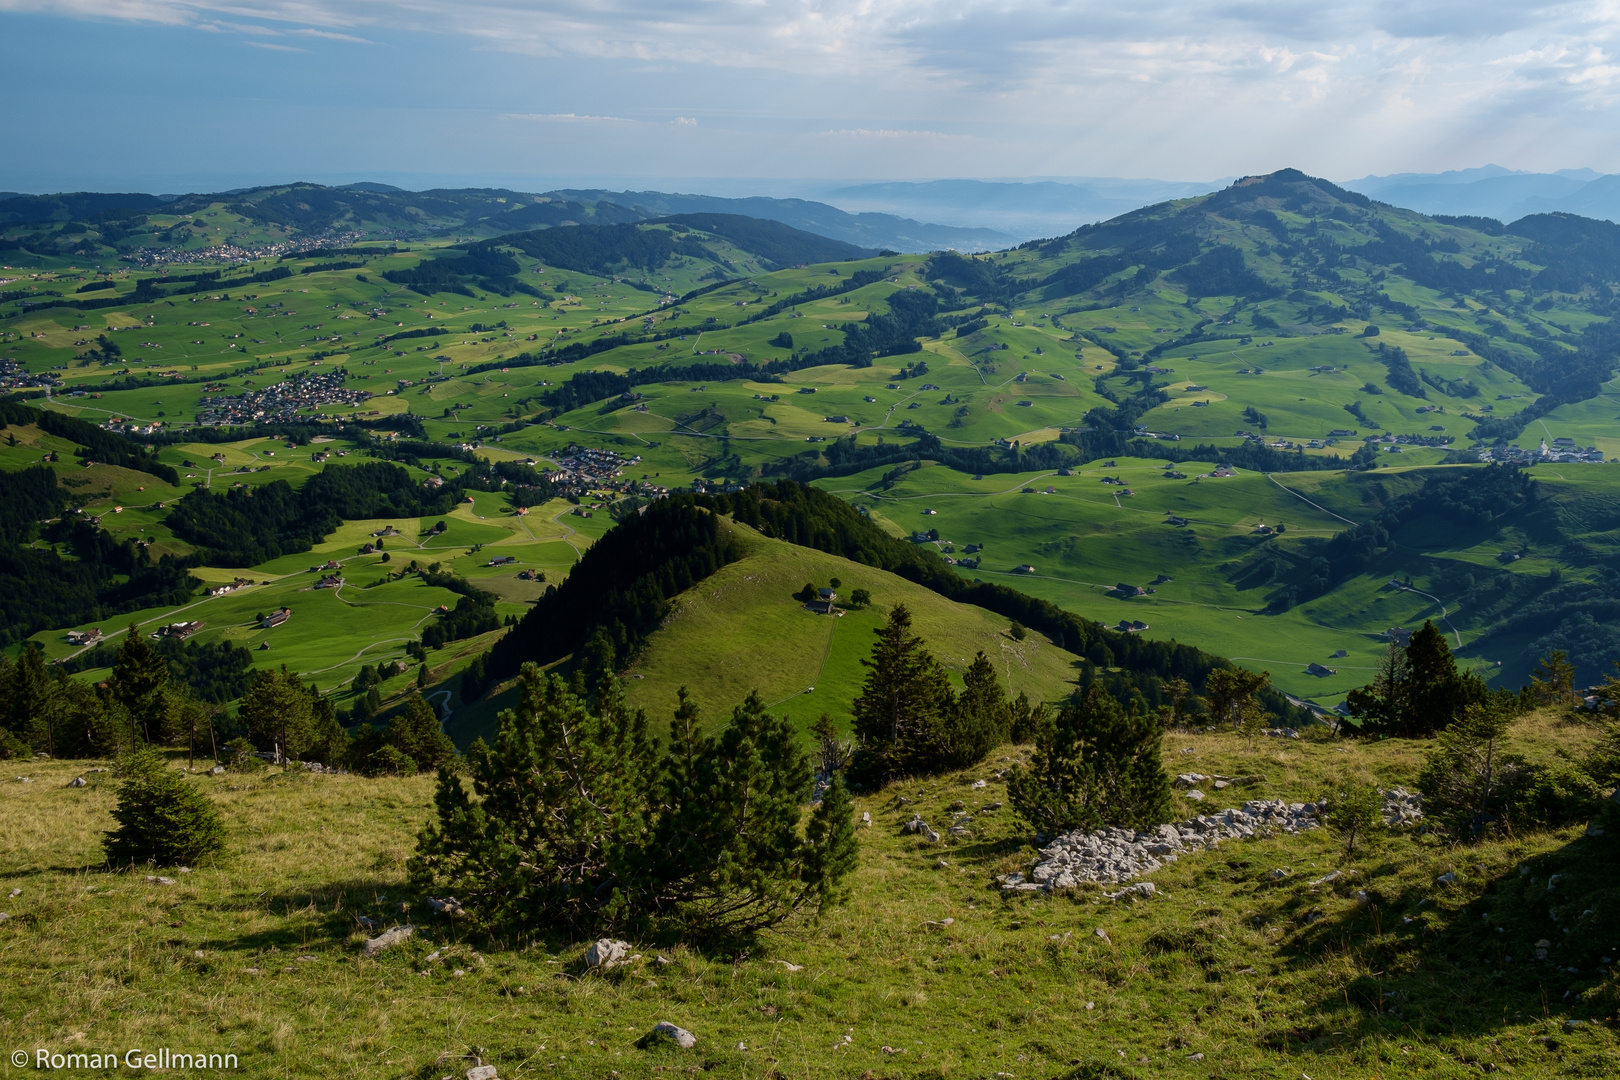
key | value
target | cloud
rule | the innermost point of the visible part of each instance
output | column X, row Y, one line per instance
column 274, row 47
column 885, row 133
column 569, row 118
column 1206, row 87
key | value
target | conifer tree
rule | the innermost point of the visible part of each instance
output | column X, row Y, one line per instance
column 899, row 708
column 139, row 673
column 162, row 816
column 415, row 732
column 1096, row 763
column 278, row 713
column 579, row 823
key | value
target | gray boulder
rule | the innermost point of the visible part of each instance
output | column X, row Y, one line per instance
column 607, row 954
column 387, row 940
column 664, row 1030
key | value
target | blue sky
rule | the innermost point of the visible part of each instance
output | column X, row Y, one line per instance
column 198, row 94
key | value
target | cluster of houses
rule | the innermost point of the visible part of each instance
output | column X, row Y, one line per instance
column 1130, row 626
column 232, row 253
column 280, row 401
column 1562, row 450
column 85, row 637
column 14, row 376
column 580, row 470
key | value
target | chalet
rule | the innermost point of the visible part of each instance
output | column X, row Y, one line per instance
column 836, row 419
column 386, row 531
column 1319, row 671
column 1123, row 589
column 276, row 618
column 1162, row 579
column 827, row 595
column 330, row 581
column 1222, row 472
column 1131, row 626
column 178, row 630
column 502, row 560
column 1341, row 433
column 1264, row 530
column 822, row 607
column 1174, row 520
column 1399, row 635
column 529, row 575
column 1023, row 568
column 331, row 564
column 85, row 637
column 1340, row 655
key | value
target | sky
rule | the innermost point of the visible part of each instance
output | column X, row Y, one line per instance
column 756, row 96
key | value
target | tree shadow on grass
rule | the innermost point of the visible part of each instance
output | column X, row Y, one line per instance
column 1502, row 943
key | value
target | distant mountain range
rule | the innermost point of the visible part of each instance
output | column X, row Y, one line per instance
column 1028, row 209
column 1495, row 192
column 868, row 230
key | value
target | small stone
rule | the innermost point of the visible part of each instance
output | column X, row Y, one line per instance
column 156, row 879
column 4, row 916
column 15, row 893
column 1195, row 795
column 1195, row 1057
column 386, row 940
column 661, row 959
column 77, row 781
column 199, row 955
column 979, row 785
column 866, row 819
column 1090, row 1005
column 1102, row 935
column 482, row 1072
column 448, row 906
column 941, row 864
column 786, row 966
column 1278, row 874
column 607, row 953
column 677, row 1035
column 1222, row 785
column 1448, row 878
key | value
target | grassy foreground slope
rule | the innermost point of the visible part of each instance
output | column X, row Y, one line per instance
column 1230, row 971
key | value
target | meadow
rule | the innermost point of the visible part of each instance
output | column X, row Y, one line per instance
column 1245, row 963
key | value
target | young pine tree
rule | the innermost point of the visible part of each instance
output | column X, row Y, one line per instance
column 1095, row 764
column 162, row 816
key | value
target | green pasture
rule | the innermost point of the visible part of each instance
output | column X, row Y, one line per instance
column 741, row 630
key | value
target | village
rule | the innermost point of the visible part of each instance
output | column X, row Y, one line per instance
column 1562, row 451
column 281, row 401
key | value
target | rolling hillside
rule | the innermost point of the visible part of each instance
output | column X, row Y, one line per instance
column 1282, row 353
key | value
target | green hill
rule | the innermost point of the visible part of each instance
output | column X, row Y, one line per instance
column 742, row 630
